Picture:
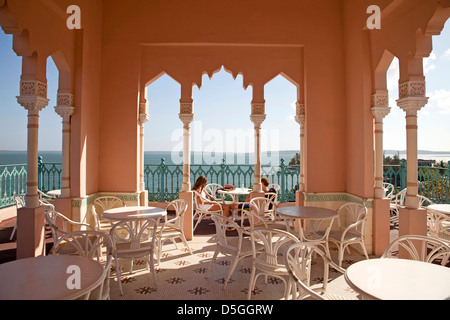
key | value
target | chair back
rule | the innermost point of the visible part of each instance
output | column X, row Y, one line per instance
column 438, row 225
column 212, row 189
column 352, row 214
column 274, row 242
column 275, row 187
column 226, row 243
column 424, row 201
column 261, row 209
column 108, row 202
column 20, row 201
column 419, row 248
column 180, row 207
column 89, row 244
column 62, row 225
column 389, row 189
column 399, row 198
column 134, row 237
column 298, row 260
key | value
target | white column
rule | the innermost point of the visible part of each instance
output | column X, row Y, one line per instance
column 33, row 97
column 412, row 99
column 380, row 109
column 143, row 118
column 65, row 109
column 257, row 117
column 300, row 118
column 186, row 116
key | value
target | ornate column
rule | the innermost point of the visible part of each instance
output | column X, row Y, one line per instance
column 33, row 97
column 380, row 109
column 143, row 118
column 65, row 109
column 30, row 219
column 300, row 118
column 186, row 116
column 257, row 117
column 412, row 99
column 380, row 223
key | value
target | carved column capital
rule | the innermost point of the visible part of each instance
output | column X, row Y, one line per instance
column 144, row 115
column 33, row 96
column 64, row 106
column 411, row 105
column 257, row 119
column 186, row 118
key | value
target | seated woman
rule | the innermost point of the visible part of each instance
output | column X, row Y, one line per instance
column 208, row 199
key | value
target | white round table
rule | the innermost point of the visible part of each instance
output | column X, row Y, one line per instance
column 236, row 193
column 46, row 277
column 134, row 213
column 307, row 213
column 399, row 279
column 442, row 208
column 55, row 193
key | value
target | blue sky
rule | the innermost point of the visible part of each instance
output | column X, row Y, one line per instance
column 222, row 110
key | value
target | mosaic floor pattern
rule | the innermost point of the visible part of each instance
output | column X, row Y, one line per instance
column 181, row 276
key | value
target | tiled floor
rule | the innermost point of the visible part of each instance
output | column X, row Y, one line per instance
column 181, row 276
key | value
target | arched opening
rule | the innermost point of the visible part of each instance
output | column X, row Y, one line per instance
column 163, row 131
column 222, row 128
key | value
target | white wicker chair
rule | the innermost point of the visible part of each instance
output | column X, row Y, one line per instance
column 389, row 187
column 270, row 260
column 173, row 228
column 298, row 259
column 350, row 229
column 88, row 244
column 263, row 212
column 438, row 225
column 100, row 205
column 397, row 201
column 238, row 247
column 134, row 239
column 202, row 208
column 212, row 189
column 420, row 248
column 61, row 225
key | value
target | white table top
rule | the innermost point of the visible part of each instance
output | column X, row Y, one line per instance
column 134, row 213
column 443, row 208
column 56, row 193
column 399, row 279
column 310, row 213
column 236, row 191
column 45, row 278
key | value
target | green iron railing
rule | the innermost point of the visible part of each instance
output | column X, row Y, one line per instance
column 163, row 181
column 13, row 181
column 433, row 181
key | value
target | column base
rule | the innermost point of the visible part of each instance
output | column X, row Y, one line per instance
column 30, row 232
column 188, row 224
column 411, row 222
column 381, row 225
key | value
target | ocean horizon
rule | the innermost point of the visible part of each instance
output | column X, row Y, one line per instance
column 272, row 158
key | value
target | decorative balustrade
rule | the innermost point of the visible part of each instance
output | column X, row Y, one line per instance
column 433, row 181
column 163, row 181
column 13, row 181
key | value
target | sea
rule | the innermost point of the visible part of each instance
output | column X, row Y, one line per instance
column 269, row 158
